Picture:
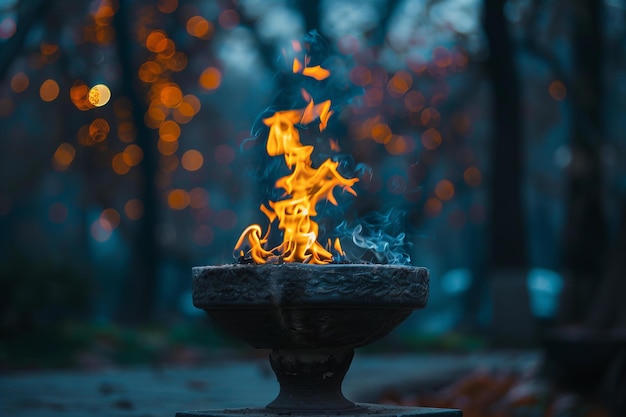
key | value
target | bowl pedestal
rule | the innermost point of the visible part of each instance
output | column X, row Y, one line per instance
column 312, row 317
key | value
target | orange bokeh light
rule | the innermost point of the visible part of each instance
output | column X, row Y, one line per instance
column 167, row 148
column 49, row 90
column 133, row 209
column 400, row 83
column 63, row 157
column 431, row 138
column 99, row 130
column 19, row 82
column 149, row 71
column 48, row 48
column 442, row 56
column 167, row 6
column 432, row 207
column 199, row 27
column 430, row 117
column 169, row 131
column 168, row 163
column 79, row 95
column 361, row 75
column 381, row 133
column 126, row 131
column 211, row 78
column 557, row 90
column 118, row 164
column 472, row 176
column 109, row 219
column 192, row 160
column 157, row 41
column 444, row 190
column 171, row 95
column 414, row 101
column 397, row 145
column 178, row 199
column 132, row 155
column 190, row 105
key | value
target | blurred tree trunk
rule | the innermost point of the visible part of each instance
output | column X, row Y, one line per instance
column 609, row 309
column 585, row 229
column 311, row 13
column 138, row 303
column 506, row 244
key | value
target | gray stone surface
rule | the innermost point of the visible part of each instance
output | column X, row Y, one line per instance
column 364, row 410
column 155, row 392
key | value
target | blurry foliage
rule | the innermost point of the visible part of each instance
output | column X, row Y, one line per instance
column 91, row 345
column 36, row 295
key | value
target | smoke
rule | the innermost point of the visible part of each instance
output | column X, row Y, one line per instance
column 378, row 238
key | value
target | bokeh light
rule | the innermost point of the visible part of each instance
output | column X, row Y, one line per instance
column 133, row 209
column 192, row 160
column 431, row 138
column 119, row 164
column 199, row 27
column 557, row 90
column 399, row 84
column 381, row 133
column 167, row 148
column 99, row 130
column 109, row 219
column 132, row 155
column 167, row 6
column 360, row 75
column 472, row 176
column 432, row 207
column 49, row 90
column 19, row 82
column 444, row 190
column 99, row 95
column 80, row 95
column 171, row 95
column 178, row 199
column 63, row 157
column 7, row 27
column 198, row 198
column 210, row 79
column 229, row 19
column 169, row 131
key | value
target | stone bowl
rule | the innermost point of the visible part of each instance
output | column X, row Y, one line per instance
column 312, row 317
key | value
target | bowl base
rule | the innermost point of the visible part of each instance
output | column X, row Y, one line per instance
column 362, row 410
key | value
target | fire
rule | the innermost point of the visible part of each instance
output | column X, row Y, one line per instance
column 304, row 187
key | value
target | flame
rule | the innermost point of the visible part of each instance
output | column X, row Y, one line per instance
column 316, row 72
column 304, row 187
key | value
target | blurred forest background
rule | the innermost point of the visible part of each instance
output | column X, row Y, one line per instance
column 495, row 127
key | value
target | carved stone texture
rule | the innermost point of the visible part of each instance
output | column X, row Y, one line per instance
column 299, row 306
column 291, row 284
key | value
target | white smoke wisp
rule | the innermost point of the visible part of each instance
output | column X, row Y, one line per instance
column 379, row 237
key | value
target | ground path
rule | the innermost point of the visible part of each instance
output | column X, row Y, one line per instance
column 160, row 392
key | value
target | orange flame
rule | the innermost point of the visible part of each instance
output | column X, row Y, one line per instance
column 316, row 72
column 304, row 187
